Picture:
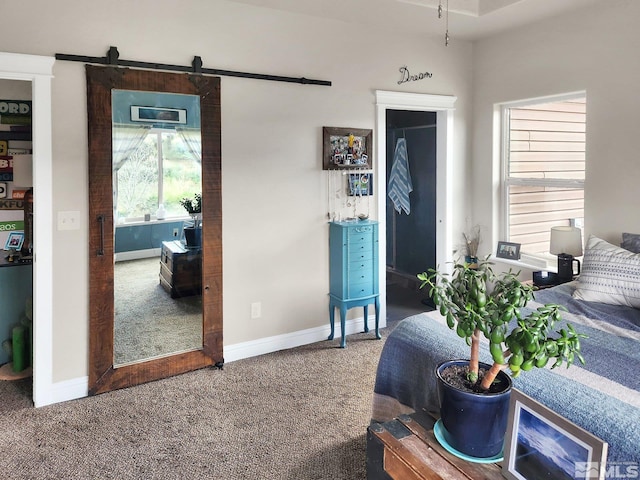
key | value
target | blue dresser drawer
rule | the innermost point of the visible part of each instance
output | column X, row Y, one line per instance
column 356, row 238
column 360, row 252
column 361, row 230
column 360, row 290
column 360, row 268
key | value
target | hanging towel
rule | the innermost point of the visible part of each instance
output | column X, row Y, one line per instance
column 400, row 179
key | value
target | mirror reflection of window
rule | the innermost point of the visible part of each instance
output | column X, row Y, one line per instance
column 161, row 171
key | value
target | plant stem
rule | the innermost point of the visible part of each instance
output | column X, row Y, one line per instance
column 475, row 355
column 491, row 375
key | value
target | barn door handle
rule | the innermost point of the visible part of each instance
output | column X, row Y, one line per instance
column 101, row 219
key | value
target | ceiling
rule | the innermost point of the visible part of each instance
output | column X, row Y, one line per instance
column 468, row 19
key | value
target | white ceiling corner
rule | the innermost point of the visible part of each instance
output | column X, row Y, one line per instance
column 474, row 8
column 468, row 20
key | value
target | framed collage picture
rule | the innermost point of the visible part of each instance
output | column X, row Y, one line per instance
column 344, row 148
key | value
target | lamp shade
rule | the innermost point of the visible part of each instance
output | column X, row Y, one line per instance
column 567, row 240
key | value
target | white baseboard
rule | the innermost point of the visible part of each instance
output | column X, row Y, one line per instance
column 66, row 390
column 79, row 387
column 138, row 254
column 265, row 345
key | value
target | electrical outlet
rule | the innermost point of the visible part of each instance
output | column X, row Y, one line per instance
column 69, row 220
column 175, row 232
column 256, row 310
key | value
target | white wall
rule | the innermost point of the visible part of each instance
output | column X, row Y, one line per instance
column 594, row 49
column 274, row 191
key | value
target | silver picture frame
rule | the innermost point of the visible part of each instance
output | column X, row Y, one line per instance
column 540, row 443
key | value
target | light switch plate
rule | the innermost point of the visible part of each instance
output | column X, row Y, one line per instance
column 69, row 220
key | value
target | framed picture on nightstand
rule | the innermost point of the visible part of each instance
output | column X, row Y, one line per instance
column 542, row 444
column 508, row 250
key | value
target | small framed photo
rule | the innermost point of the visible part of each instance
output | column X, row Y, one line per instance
column 360, row 184
column 542, row 444
column 508, row 250
column 14, row 240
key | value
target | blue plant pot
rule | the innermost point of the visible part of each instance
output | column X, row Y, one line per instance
column 474, row 423
column 193, row 237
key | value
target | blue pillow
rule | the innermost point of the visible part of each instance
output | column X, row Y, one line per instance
column 631, row 242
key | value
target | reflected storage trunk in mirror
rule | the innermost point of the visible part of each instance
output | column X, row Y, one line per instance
column 104, row 373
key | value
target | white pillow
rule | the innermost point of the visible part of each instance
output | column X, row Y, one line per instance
column 609, row 274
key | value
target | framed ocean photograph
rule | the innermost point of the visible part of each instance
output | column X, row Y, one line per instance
column 542, row 444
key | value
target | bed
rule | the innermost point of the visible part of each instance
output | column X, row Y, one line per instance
column 602, row 397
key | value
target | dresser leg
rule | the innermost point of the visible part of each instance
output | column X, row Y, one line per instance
column 366, row 319
column 332, row 317
column 377, row 304
column 343, row 316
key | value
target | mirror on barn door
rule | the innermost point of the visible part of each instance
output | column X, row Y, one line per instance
column 155, row 259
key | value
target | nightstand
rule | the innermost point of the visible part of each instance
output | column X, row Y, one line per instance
column 406, row 449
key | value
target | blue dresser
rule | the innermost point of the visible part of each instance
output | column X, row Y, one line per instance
column 353, row 271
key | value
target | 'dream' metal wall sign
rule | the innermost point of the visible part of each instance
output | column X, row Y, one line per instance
column 407, row 76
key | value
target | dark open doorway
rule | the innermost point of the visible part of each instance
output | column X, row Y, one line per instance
column 411, row 236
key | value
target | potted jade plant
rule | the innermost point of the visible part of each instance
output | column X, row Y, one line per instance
column 193, row 233
column 474, row 397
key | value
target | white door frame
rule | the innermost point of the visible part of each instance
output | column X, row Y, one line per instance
column 39, row 71
column 443, row 105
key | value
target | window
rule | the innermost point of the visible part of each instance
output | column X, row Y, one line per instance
column 161, row 170
column 544, row 169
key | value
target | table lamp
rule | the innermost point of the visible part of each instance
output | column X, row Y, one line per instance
column 566, row 243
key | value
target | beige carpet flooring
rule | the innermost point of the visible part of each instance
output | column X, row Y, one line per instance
column 148, row 322
column 295, row 414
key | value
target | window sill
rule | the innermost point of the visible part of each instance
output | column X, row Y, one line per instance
column 134, row 223
column 527, row 262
